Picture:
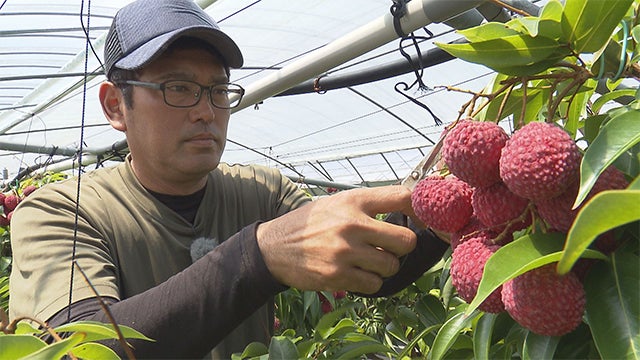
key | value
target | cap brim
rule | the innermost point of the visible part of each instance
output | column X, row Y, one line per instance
column 149, row 51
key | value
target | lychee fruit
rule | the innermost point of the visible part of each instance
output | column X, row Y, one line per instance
column 610, row 179
column 539, row 161
column 557, row 212
column 496, row 206
column 325, row 304
column 4, row 222
column 10, row 203
column 471, row 150
column 443, row 204
column 28, row 190
column 545, row 302
column 467, row 264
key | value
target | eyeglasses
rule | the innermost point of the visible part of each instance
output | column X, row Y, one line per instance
column 184, row 93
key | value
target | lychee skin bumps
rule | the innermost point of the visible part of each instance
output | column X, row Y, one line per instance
column 467, row 264
column 471, row 151
column 544, row 302
column 496, row 205
column 539, row 161
column 443, row 204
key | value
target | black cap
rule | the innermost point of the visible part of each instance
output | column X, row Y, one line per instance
column 143, row 29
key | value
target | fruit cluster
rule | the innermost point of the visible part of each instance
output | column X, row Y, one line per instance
column 499, row 184
column 10, row 200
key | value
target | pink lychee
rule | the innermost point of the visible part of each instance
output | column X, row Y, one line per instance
column 467, row 264
column 443, row 204
column 545, row 302
column 471, row 150
column 539, row 161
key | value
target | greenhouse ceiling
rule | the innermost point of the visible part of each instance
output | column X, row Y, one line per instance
column 335, row 95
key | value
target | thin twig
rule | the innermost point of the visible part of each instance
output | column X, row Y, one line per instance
column 125, row 345
column 510, row 8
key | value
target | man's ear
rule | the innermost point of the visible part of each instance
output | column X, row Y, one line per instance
column 113, row 105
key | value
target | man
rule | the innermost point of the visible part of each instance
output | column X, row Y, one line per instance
column 183, row 248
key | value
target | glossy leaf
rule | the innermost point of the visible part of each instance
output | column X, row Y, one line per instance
column 610, row 96
column 254, row 349
column 430, row 310
column 539, row 347
column 588, row 24
column 487, row 31
column 613, row 306
column 96, row 331
column 358, row 345
column 448, row 334
column 94, row 351
column 578, row 105
column 482, row 334
column 17, row 346
column 326, row 325
column 606, row 210
column 511, row 55
column 58, row 349
column 521, row 255
column 282, row 348
column 618, row 135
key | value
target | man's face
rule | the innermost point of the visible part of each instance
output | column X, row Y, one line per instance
column 170, row 145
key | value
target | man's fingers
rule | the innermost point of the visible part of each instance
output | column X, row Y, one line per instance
column 382, row 200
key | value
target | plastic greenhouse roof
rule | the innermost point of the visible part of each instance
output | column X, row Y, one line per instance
column 351, row 130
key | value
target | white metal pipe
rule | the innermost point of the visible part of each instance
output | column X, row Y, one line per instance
column 354, row 44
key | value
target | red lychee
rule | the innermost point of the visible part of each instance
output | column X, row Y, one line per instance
column 443, row 204
column 496, row 206
column 544, row 302
column 539, row 161
column 471, row 150
column 467, row 264
column 28, row 190
column 10, row 203
column 4, row 222
column 557, row 212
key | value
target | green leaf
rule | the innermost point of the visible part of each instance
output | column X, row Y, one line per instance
column 254, row 349
column 617, row 136
column 613, row 306
column 635, row 33
column 588, row 24
column 26, row 328
column 577, row 107
column 606, row 210
column 539, row 347
column 611, row 96
column 487, row 31
column 56, row 350
column 448, row 334
column 511, row 55
column 94, row 351
column 327, row 321
column 358, row 346
column 521, row 255
column 430, row 310
column 282, row 348
column 17, row 346
column 482, row 334
column 100, row 331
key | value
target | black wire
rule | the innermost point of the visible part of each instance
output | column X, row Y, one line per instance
column 86, row 33
column 2, row 5
column 84, row 103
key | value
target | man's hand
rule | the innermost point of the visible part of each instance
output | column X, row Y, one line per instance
column 335, row 243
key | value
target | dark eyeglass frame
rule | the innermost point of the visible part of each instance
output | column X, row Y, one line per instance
column 231, row 88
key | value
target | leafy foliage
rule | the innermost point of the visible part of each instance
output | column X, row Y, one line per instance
column 548, row 69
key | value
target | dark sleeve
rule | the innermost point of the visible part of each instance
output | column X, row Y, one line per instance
column 194, row 310
column 428, row 251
